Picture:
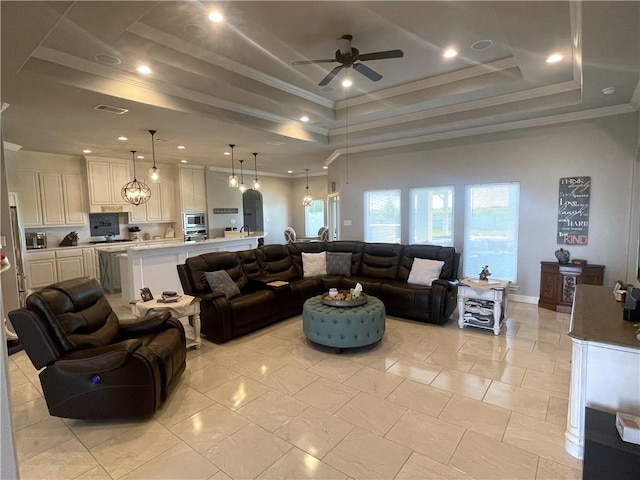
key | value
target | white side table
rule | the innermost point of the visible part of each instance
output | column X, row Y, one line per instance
column 482, row 304
column 187, row 306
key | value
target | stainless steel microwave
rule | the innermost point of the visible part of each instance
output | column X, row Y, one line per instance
column 194, row 220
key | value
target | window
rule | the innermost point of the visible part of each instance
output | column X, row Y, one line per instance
column 431, row 216
column 491, row 230
column 382, row 216
column 313, row 218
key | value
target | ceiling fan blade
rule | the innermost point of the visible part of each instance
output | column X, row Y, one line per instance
column 367, row 72
column 309, row 62
column 381, row 55
column 330, row 75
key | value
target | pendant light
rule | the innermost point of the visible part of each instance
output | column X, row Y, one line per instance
column 233, row 178
column 307, row 200
column 242, row 186
column 256, row 182
column 135, row 192
column 154, row 172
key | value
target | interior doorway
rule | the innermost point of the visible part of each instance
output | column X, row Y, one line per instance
column 333, row 216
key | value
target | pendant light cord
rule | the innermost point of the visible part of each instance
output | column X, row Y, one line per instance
column 346, row 131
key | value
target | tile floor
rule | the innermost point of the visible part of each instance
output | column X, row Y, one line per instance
column 427, row 402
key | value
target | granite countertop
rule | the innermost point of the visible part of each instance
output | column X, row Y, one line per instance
column 597, row 317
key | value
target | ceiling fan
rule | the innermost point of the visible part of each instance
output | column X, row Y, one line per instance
column 347, row 56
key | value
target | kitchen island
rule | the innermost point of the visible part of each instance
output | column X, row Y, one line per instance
column 154, row 265
column 605, row 362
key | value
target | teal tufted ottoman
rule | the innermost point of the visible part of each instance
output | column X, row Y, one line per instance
column 343, row 327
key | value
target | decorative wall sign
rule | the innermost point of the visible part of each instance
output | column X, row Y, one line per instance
column 217, row 211
column 573, row 210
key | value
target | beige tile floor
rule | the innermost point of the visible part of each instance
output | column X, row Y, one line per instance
column 427, row 402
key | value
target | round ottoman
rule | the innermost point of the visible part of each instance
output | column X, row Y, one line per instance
column 343, row 327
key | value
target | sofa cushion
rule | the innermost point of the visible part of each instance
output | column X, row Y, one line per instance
column 211, row 262
column 425, row 271
column 380, row 260
column 432, row 252
column 220, row 282
column 353, row 247
column 314, row 264
column 338, row 263
column 276, row 263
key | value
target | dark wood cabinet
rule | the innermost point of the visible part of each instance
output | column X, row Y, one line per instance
column 558, row 283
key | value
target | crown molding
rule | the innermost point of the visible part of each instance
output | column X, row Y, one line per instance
column 486, row 129
column 13, row 147
column 193, row 50
column 275, row 175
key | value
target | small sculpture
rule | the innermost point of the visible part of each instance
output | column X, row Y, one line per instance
column 563, row 256
column 485, row 273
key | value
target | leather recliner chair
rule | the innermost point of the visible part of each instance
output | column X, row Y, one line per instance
column 94, row 367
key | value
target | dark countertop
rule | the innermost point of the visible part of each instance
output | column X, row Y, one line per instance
column 597, row 317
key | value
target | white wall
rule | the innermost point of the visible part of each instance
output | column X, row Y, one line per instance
column 318, row 187
column 537, row 158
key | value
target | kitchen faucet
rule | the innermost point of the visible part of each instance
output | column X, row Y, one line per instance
column 245, row 228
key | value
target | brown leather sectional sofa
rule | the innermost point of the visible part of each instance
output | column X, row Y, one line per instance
column 381, row 268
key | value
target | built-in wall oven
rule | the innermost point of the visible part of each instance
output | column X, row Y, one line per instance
column 194, row 226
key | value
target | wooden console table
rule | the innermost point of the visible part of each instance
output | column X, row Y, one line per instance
column 558, row 283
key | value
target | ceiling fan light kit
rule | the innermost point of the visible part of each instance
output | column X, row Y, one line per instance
column 348, row 57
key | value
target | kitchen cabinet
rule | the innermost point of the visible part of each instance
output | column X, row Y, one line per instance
column 90, row 259
column 193, row 197
column 161, row 206
column 51, row 199
column 69, row 264
column 106, row 179
column 41, row 269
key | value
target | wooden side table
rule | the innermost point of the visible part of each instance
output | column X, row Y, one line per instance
column 187, row 306
column 558, row 283
column 482, row 304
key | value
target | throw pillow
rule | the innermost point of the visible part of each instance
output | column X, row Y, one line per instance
column 425, row 271
column 314, row 264
column 338, row 263
column 220, row 281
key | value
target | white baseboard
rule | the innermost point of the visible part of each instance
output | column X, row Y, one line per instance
column 523, row 299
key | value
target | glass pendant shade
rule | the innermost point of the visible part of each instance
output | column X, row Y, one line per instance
column 154, row 172
column 135, row 192
column 242, row 186
column 307, row 200
column 256, row 182
column 233, row 178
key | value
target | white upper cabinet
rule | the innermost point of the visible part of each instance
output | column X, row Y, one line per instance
column 106, row 179
column 51, row 199
column 161, row 207
column 193, row 196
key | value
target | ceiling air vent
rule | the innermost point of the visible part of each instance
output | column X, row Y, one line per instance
column 110, row 109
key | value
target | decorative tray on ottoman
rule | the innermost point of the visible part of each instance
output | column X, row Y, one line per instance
column 343, row 299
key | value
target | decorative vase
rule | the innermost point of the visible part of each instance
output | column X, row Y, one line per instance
column 563, row 256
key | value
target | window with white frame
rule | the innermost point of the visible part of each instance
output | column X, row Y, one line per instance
column 431, row 216
column 313, row 218
column 382, row 216
column 491, row 230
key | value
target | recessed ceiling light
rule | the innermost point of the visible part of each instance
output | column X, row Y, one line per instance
column 143, row 69
column 227, row 153
column 346, row 83
column 289, row 171
column 481, row 44
column 325, row 167
column 216, row 17
column 304, row 118
column 86, row 150
column 609, row 90
column 122, row 138
column 184, row 161
column 450, row 53
column 181, row 147
column 555, row 58
column 140, row 157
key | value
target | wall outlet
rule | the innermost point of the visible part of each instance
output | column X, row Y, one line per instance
column 347, row 223
column 3, row 240
column 233, row 221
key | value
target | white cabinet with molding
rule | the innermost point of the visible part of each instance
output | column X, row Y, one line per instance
column 193, row 196
column 70, row 264
column 90, row 258
column 51, row 199
column 44, row 267
column 106, row 179
column 161, row 207
column 41, row 269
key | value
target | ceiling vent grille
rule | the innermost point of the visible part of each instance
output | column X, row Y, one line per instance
column 110, row 109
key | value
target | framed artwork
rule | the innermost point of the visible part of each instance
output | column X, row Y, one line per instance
column 145, row 294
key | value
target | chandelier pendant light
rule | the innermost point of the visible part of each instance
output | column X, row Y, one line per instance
column 242, row 186
column 135, row 192
column 154, row 172
column 307, row 200
column 233, row 178
column 256, row 182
